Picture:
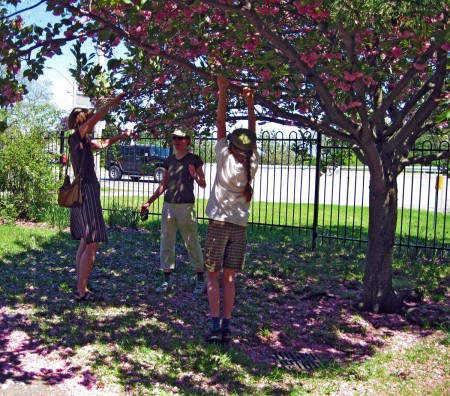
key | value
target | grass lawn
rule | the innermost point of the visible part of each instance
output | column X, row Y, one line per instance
column 289, row 300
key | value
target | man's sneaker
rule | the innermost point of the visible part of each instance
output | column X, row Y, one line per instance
column 164, row 287
column 226, row 336
column 213, row 336
column 200, row 288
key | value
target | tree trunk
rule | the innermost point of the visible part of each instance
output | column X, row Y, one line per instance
column 378, row 293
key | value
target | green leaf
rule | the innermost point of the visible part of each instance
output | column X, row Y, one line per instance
column 114, row 63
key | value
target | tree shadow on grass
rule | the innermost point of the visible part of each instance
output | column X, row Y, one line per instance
column 287, row 300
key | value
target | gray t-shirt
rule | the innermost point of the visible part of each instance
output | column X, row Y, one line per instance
column 180, row 183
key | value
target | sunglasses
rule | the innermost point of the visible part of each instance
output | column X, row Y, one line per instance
column 178, row 137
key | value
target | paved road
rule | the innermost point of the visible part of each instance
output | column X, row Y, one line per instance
column 296, row 184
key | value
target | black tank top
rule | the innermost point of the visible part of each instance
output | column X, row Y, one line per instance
column 77, row 146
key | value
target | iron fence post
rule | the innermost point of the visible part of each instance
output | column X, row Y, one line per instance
column 61, row 153
column 316, row 192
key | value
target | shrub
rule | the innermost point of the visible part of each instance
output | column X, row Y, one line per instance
column 123, row 217
column 56, row 216
column 26, row 176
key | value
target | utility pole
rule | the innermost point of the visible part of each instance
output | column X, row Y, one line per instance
column 73, row 84
column 98, row 129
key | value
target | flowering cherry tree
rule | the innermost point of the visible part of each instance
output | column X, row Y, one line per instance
column 371, row 73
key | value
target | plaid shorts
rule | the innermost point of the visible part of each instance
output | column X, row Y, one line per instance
column 225, row 246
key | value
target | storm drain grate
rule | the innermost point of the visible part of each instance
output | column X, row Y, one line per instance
column 297, row 361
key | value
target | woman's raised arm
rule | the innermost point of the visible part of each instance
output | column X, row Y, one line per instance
column 248, row 95
column 88, row 126
column 222, row 107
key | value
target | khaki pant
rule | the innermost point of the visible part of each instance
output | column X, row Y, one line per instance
column 184, row 217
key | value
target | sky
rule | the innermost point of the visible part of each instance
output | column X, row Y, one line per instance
column 56, row 72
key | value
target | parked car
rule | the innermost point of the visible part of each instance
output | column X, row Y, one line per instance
column 135, row 161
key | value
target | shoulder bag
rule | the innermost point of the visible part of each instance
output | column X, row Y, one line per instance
column 69, row 194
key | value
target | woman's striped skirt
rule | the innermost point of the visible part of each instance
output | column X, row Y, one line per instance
column 86, row 220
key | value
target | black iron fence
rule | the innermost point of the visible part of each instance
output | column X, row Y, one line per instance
column 307, row 184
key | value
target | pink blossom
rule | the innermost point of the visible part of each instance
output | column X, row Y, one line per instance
column 14, row 68
column 303, row 108
column 331, row 77
column 18, row 22
column 446, row 46
column 118, row 11
column 397, row 52
column 420, row 66
column 352, row 76
column 265, row 75
column 321, row 15
column 372, row 53
column 267, row 10
column 250, row 46
column 312, row 10
column 305, row 29
column 139, row 30
column 406, row 34
column 354, row 104
column 146, row 14
column 177, row 41
column 310, row 59
column 343, row 86
column 332, row 56
column 68, row 34
column 343, row 106
column 116, row 41
column 160, row 80
column 187, row 14
column 369, row 81
column 366, row 32
column 434, row 19
column 219, row 18
column 237, row 53
column 227, row 44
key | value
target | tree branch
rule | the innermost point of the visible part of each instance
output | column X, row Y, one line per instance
column 401, row 86
column 358, row 85
column 59, row 41
column 24, row 10
column 281, row 115
column 332, row 111
column 408, row 134
column 426, row 159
